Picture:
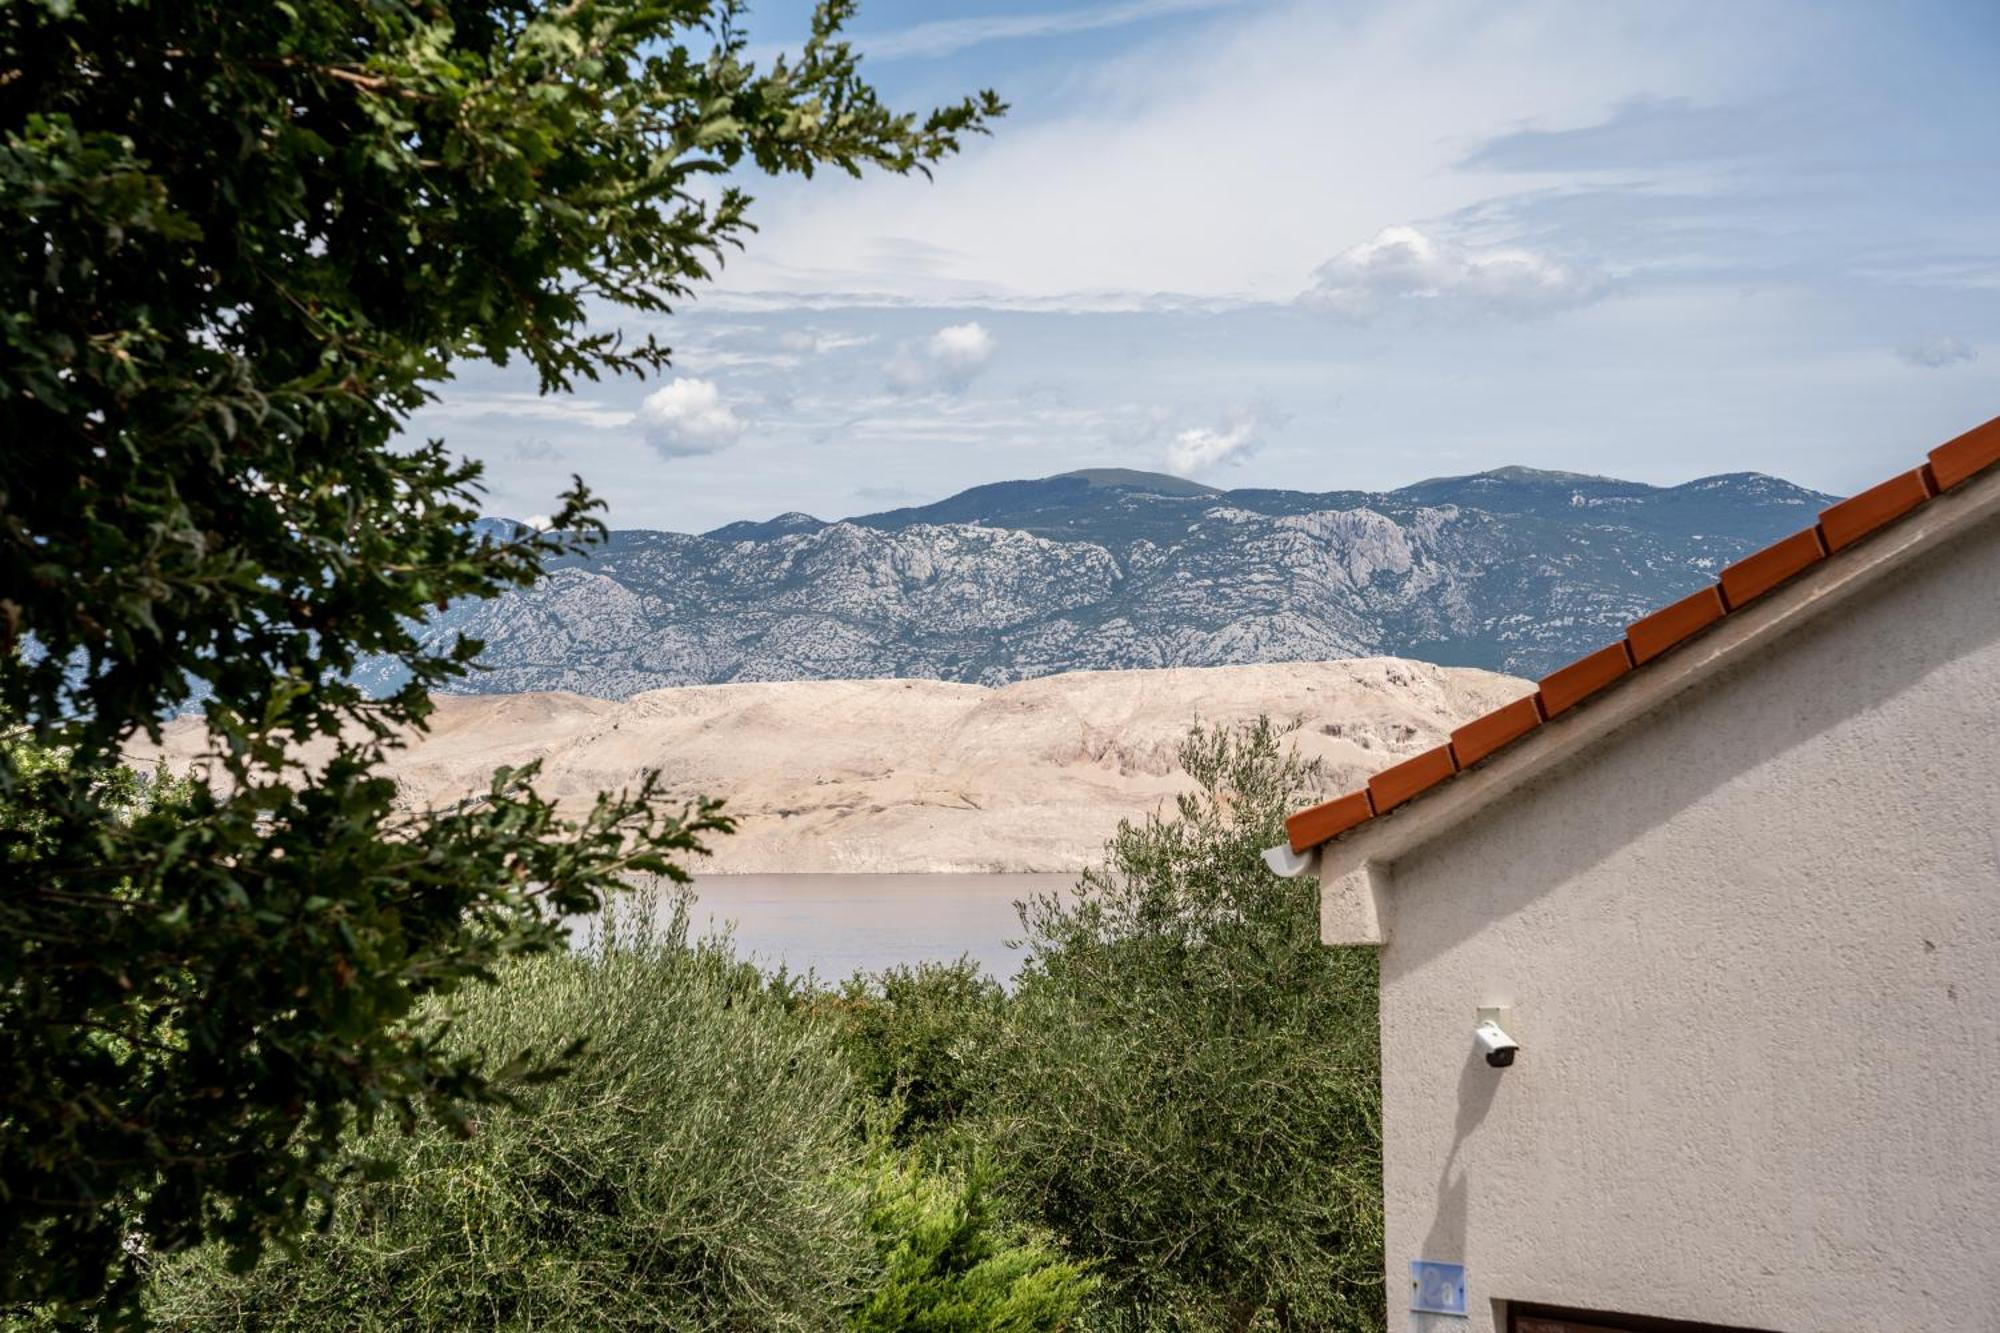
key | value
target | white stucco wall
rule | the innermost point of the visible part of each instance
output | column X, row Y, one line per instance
column 1752, row 948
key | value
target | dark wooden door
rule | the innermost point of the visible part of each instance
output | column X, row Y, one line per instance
column 1550, row 1319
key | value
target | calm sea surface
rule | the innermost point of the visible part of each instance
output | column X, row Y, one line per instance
column 833, row 924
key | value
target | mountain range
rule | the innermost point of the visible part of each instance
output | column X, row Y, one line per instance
column 1514, row 570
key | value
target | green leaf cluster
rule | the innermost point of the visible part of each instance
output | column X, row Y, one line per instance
column 707, row 1163
column 239, row 246
column 1187, row 1089
column 950, row 1264
column 1172, row 1124
column 1183, row 1089
column 695, row 1168
column 918, row 1037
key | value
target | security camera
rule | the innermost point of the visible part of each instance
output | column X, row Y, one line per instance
column 1494, row 1042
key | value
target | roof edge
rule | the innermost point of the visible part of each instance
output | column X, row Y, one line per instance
column 1387, row 838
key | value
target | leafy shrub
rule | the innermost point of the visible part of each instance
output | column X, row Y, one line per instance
column 918, row 1037
column 1174, row 1123
column 695, row 1169
column 1188, row 1084
column 950, row 1265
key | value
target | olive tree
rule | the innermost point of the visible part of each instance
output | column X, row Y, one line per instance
column 1188, row 1087
column 239, row 245
column 698, row 1168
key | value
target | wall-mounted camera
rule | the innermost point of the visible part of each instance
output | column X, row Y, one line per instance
column 1493, row 1041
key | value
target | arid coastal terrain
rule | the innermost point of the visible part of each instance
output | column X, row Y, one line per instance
column 924, row 775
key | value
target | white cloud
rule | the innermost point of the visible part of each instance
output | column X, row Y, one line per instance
column 962, row 348
column 1140, row 180
column 794, row 301
column 819, row 342
column 947, row 361
column 722, row 358
column 943, row 37
column 532, row 407
column 1404, row 267
column 688, row 417
column 1199, row 448
column 1937, row 351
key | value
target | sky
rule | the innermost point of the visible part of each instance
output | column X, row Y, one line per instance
column 1326, row 245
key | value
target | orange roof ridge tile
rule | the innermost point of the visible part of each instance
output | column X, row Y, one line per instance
column 1566, row 687
column 1649, row 637
column 1975, row 451
column 1504, row 725
column 1393, row 786
column 1760, row 571
column 1854, row 518
column 1329, row 819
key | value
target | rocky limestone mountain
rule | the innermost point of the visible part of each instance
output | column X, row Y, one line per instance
column 1513, row 570
column 922, row 775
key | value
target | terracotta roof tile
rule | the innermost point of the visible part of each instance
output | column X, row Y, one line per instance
column 1393, row 786
column 1328, row 819
column 1877, row 507
column 1566, row 687
column 1754, row 575
column 1974, row 451
column 1648, row 637
column 1483, row 735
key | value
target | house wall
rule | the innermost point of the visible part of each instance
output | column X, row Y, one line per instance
column 1752, row 948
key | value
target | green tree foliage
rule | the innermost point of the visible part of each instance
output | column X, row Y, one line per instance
column 1187, row 1091
column 239, row 245
column 702, row 1166
column 949, row 1265
column 123, row 794
column 693, row 1170
column 919, row 1037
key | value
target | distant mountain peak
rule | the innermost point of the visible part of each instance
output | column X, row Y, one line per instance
column 745, row 530
column 1749, row 481
column 1131, row 479
column 1515, row 474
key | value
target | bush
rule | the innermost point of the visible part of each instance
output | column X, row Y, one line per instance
column 695, row 1170
column 1172, row 1125
column 918, row 1038
column 949, row 1265
column 1188, row 1086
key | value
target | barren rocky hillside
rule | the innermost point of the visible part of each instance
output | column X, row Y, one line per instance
column 1513, row 570
column 925, row 775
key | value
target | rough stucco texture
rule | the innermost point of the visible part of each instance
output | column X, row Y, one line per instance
column 1752, row 949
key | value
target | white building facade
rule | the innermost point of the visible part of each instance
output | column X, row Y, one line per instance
column 1741, row 912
